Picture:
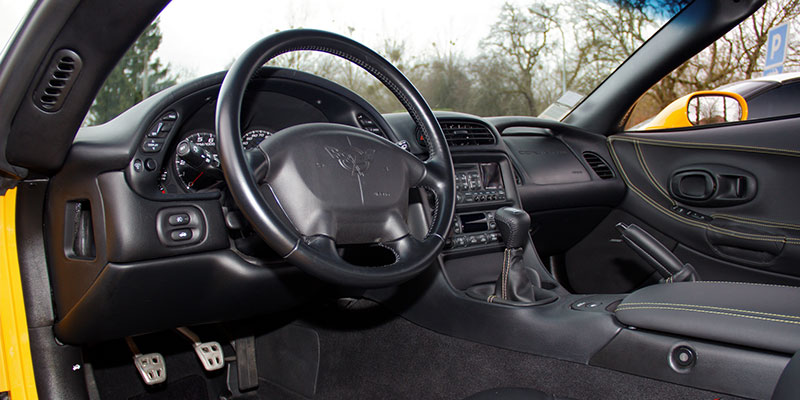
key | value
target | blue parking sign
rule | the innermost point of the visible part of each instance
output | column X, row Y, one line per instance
column 777, row 40
column 778, row 69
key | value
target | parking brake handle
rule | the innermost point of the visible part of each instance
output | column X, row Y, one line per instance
column 663, row 261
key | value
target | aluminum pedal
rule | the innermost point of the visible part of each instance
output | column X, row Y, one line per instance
column 151, row 366
column 209, row 353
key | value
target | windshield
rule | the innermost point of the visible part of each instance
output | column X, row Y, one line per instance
column 487, row 58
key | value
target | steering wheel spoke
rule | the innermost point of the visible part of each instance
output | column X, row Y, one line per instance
column 258, row 163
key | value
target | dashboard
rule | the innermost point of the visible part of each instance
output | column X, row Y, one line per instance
column 142, row 200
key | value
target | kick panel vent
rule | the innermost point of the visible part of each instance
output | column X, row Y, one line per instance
column 599, row 166
column 57, row 80
column 463, row 133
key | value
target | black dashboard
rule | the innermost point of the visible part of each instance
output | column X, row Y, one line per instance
column 159, row 160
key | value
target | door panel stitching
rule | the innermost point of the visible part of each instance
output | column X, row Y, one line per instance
column 650, row 176
column 714, row 146
column 754, row 221
column 669, row 213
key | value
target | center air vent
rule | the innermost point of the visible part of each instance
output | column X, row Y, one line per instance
column 599, row 166
column 463, row 133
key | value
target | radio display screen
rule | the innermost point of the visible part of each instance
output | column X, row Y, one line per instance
column 492, row 178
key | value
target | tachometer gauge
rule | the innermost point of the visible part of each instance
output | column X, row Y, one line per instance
column 252, row 138
column 197, row 163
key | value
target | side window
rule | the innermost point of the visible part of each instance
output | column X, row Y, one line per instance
column 736, row 64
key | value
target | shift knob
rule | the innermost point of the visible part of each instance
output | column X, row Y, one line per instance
column 513, row 225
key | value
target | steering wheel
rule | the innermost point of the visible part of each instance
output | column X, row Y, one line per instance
column 310, row 188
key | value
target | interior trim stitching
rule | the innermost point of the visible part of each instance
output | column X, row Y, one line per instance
column 650, row 175
column 669, row 213
column 749, row 283
column 638, row 141
column 713, row 146
column 504, row 280
column 713, row 308
column 754, row 221
column 622, row 308
column 396, row 254
column 435, row 210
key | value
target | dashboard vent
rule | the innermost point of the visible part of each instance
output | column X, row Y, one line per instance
column 58, row 80
column 599, row 166
column 463, row 133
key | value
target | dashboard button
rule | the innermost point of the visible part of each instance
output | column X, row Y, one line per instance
column 181, row 235
column 179, row 219
column 150, row 164
column 152, row 145
column 137, row 165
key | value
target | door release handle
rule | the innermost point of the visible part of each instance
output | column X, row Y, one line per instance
column 712, row 185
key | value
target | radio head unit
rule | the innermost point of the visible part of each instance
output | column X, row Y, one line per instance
column 479, row 182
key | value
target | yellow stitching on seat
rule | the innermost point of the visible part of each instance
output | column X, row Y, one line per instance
column 711, row 307
column 622, row 308
column 649, row 174
column 713, row 146
column 754, row 221
column 669, row 213
column 750, row 283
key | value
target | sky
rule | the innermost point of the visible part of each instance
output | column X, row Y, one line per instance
column 204, row 36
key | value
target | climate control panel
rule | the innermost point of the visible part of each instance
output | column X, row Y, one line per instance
column 473, row 230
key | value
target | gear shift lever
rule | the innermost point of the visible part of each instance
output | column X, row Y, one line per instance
column 514, row 284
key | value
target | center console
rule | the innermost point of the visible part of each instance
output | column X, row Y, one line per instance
column 481, row 188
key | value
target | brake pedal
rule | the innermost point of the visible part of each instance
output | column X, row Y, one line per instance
column 151, row 366
column 209, row 353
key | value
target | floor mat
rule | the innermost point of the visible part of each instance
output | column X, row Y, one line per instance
column 390, row 358
column 188, row 388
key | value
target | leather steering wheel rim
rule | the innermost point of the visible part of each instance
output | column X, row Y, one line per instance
column 316, row 254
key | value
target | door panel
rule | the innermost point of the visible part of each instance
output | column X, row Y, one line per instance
column 730, row 193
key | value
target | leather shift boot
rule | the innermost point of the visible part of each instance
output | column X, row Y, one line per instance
column 514, row 283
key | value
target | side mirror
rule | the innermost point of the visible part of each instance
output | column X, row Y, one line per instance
column 700, row 108
column 715, row 108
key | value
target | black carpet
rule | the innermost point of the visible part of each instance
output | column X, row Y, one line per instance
column 395, row 359
column 192, row 387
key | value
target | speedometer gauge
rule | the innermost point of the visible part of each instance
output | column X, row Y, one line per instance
column 252, row 138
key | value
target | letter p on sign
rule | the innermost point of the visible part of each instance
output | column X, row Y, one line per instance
column 777, row 39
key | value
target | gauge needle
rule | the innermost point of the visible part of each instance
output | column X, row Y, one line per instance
column 196, row 178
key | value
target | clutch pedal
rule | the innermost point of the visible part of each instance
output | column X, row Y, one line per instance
column 209, row 353
column 151, row 366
